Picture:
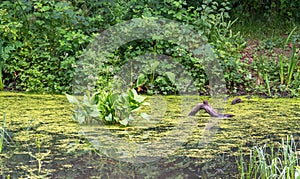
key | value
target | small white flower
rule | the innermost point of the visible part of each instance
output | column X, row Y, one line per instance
column 249, row 76
column 91, row 77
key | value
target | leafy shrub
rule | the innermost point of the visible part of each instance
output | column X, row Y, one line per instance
column 41, row 41
column 205, row 18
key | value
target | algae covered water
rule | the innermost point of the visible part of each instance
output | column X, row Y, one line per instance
column 42, row 140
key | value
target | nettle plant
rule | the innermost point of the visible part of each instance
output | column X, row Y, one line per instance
column 108, row 107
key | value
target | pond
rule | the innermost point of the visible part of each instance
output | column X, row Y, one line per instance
column 44, row 142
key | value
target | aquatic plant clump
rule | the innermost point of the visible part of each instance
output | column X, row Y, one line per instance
column 282, row 161
column 117, row 108
column 108, row 107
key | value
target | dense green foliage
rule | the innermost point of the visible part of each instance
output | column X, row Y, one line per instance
column 287, row 9
column 42, row 41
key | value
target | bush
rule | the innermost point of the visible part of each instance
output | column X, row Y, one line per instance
column 41, row 42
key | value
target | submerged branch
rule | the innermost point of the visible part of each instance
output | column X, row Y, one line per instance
column 208, row 109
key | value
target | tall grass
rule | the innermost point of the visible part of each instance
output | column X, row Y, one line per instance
column 293, row 60
column 1, row 67
column 270, row 162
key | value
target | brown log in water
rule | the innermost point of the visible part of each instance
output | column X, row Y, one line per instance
column 208, row 109
column 236, row 100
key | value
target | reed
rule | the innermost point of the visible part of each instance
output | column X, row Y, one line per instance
column 1, row 67
column 2, row 133
column 4, row 136
column 292, row 63
column 293, row 60
column 270, row 162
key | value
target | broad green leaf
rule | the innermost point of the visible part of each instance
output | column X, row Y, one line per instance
column 124, row 122
column 154, row 65
column 135, row 108
column 94, row 113
column 80, row 118
column 113, row 97
column 297, row 172
column 145, row 116
column 137, row 97
column 141, row 80
column 171, row 77
column 146, row 104
column 72, row 99
column 109, row 117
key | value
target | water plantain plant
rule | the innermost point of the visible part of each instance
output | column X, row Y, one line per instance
column 153, row 79
column 117, row 108
column 86, row 109
column 108, row 107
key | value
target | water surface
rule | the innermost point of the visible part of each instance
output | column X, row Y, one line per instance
column 169, row 145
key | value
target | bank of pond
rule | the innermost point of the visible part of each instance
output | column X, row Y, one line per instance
column 41, row 140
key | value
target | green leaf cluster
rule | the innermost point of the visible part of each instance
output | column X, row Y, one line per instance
column 118, row 108
column 108, row 107
column 86, row 110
